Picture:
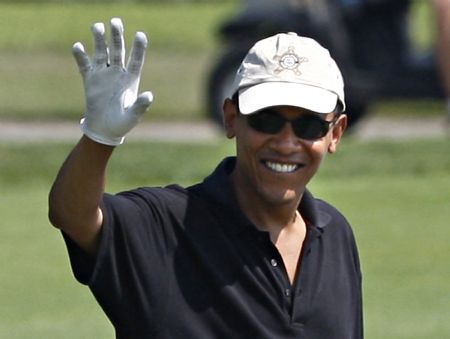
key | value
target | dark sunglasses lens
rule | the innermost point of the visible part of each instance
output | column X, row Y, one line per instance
column 266, row 122
column 310, row 128
column 307, row 127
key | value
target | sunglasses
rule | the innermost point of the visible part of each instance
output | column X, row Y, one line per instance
column 308, row 127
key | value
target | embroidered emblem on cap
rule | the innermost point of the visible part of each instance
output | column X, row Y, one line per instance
column 289, row 61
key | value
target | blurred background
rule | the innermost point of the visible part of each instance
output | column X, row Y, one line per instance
column 391, row 176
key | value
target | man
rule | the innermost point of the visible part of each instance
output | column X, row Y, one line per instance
column 247, row 253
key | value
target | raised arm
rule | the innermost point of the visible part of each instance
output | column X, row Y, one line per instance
column 113, row 108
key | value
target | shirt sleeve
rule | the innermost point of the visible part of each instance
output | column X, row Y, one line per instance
column 133, row 228
column 129, row 275
column 84, row 265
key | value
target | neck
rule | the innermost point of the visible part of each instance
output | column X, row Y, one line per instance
column 266, row 215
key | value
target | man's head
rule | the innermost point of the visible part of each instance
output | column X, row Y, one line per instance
column 285, row 115
column 289, row 70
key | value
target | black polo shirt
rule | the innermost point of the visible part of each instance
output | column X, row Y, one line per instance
column 186, row 263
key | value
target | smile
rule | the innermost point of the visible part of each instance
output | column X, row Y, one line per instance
column 281, row 168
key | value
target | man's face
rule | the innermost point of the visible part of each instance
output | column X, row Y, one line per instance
column 274, row 169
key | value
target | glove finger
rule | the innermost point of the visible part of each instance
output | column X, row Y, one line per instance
column 83, row 62
column 141, row 104
column 101, row 50
column 117, row 49
column 137, row 55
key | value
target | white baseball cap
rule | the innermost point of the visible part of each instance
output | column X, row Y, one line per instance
column 288, row 70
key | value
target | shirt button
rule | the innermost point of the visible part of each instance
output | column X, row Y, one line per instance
column 274, row 263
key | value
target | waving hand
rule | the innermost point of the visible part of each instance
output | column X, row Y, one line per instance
column 113, row 106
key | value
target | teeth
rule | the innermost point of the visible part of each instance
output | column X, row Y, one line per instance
column 282, row 168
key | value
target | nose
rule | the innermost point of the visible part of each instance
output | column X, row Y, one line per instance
column 285, row 141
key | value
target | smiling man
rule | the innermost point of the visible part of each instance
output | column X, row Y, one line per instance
column 248, row 252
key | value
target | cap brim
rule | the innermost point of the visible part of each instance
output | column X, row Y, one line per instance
column 269, row 94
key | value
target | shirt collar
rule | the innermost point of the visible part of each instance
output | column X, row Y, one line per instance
column 311, row 212
column 219, row 188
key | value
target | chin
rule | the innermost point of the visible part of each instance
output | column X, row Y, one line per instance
column 280, row 197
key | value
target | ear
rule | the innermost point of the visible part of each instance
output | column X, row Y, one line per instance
column 230, row 113
column 337, row 132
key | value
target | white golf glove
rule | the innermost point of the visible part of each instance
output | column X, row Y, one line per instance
column 113, row 106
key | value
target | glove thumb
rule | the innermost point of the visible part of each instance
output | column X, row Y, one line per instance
column 141, row 104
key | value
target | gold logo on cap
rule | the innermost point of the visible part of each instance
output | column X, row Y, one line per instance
column 289, row 61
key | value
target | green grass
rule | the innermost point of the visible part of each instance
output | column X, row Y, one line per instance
column 40, row 80
column 52, row 27
column 48, row 87
column 401, row 224
column 395, row 195
column 39, row 297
